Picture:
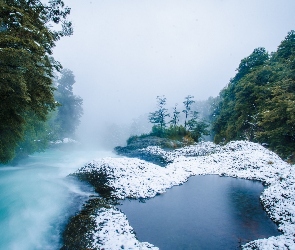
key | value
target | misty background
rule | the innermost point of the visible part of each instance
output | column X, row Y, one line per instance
column 125, row 53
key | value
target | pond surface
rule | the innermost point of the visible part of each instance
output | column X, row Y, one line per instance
column 207, row 212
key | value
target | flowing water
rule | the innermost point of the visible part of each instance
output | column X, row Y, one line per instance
column 207, row 212
column 37, row 198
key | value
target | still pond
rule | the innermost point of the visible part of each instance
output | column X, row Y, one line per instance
column 206, row 212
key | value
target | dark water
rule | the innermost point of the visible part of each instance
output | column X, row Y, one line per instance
column 207, row 212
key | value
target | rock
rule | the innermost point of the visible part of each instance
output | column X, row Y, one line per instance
column 136, row 144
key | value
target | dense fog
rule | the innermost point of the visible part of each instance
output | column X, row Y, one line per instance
column 125, row 53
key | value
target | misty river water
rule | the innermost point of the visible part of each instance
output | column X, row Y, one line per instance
column 37, row 198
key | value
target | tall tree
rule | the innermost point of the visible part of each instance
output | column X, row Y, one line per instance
column 258, row 103
column 196, row 127
column 175, row 116
column 26, row 65
column 238, row 98
column 188, row 101
column 70, row 109
column 158, row 117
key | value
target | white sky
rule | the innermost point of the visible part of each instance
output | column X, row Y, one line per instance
column 125, row 53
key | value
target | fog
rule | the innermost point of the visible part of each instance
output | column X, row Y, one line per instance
column 125, row 53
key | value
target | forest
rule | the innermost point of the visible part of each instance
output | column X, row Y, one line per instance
column 37, row 101
column 38, row 105
column 257, row 105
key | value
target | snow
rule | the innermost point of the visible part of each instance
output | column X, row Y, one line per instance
column 64, row 140
column 115, row 232
column 134, row 178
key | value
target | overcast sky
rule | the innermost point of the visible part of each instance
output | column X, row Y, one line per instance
column 125, row 53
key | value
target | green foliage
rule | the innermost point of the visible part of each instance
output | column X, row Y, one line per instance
column 70, row 110
column 197, row 128
column 175, row 116
column 59, row 124
column 176, row 132
column 135, row 137
column 259, row 102
column 158, row 117
column 187, row 107
column 26, row 66
column 36, row 137
column 190, row 132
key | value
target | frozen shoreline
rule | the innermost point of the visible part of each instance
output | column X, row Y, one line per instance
column 134, row 178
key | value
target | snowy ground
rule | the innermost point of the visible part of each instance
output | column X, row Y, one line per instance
column 134, row 178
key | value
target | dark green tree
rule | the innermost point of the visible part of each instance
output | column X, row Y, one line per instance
column 70, row 110
column 258, row 103
column 196, row 127
column 26, row 66
column 175, row 117
column 277, row 115
column 159, row 116
column 188, row 101
column 237, row 108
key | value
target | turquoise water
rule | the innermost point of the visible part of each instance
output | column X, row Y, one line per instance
column 207, row 212
column 37, row 198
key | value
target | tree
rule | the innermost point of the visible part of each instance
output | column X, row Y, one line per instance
column 286, row 50
column 70, row 109
column 158, row 117
column 278, row 121
column 187, row 105
column 196, row 127
column 258, row 103
column 175, row 117
column 26, row 66
column 258, row 57
column 238, row 101
column 277, row 117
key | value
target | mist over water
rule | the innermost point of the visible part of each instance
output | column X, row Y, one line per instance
column 37, row 198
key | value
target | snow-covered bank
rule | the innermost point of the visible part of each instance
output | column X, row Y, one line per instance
column 134, row 178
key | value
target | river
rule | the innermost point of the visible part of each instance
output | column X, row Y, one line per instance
column 37, row 198
column 207, row 212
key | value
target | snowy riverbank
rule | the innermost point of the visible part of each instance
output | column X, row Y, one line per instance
column 134, row 178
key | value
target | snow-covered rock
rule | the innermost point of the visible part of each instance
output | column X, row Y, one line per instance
column 114, row 232
column 134, row 178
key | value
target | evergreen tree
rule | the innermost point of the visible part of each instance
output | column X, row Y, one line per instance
column 277, row 116
column 175, row 117
column 187, row 107
column 158, row 117
column 70, row 109
column 196, row 127
column 26, row 66
column 258, row 103
column 237, row 104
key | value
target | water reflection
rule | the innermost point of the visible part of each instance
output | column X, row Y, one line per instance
column 207, row 212
column 245, row 206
